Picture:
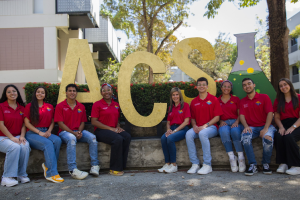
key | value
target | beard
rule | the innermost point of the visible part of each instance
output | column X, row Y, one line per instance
column 250, row 91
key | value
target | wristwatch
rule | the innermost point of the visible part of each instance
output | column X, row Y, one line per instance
column 294, row 126
column 207, row 123
column 174, row 130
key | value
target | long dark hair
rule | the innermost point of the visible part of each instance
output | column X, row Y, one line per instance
column 176, row 89
column 281, row 99
column 4, row 97
column 34, row 108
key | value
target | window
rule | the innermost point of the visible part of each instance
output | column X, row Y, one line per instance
column 293, row 41
column 295, row 70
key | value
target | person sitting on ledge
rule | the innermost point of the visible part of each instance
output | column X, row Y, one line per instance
column 286, row 108
column 70, row 116
column 39, row 120
column 12, row 137
column 230, row 126
column 105, row 117
column 177, row 126
column 256, row 113
column 205, row 111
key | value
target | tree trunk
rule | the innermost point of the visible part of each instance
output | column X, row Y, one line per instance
column 150, row 50
column 278, row 33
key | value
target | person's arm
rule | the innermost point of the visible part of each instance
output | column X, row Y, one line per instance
column 246, row 127
column 22, row 136
column 194, row 125
column 64, row 127
column 100, row 125
column 267, row 124
column 33, row 129
column 291, row 129
column 211, row 122
column 184, row 123
column 222, row 123
column 279, row 124
column 5, row 131
column 237, row 121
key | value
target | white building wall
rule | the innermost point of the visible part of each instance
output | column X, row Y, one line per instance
column 16, row 7
column 38, row 6
column 50, row 48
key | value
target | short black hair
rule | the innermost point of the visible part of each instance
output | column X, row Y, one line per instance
column 246, row 79
column 71, row 85
column 202, row 79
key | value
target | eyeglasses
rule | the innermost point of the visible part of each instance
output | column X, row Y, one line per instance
column 226, row 87
column 201, row 85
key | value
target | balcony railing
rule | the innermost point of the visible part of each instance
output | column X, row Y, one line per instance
column 295, row 78
column 294, row 48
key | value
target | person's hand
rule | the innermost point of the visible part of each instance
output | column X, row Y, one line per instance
column 196, row 129
column 114, row 130
column 202, row 127
column 169, row 132
column 43, row 134
column 48, row 133
column 282, row 131
column 22, row 140
column 263, row 132
column 290, row 130
column 119, row 130
column 15, row 140
column 79, row 135
column 222, row 123
column 235, row 124
column 247, row 130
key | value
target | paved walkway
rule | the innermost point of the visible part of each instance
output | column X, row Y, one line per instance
column 153, row 185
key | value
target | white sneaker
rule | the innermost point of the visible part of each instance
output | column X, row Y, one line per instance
column 95, row 170
column 233, row 164
column 205, row 169
column 242, row 165
column 23, row 179
column 193, row 169
column 293, row 171
column 77, row 174
column 163, row 168
column 8, row 182
column 171, row 169
column 282, row 168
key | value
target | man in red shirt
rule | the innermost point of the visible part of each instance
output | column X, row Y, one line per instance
column 205, row 112
column 70, row 116
column 256, row 113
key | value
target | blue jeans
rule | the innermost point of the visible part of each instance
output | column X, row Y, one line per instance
column 267, row 144
column 235, row 133
column 16, row 159
column 204, row 136
column 50, row 146
column 71, row 141
column 168, row 143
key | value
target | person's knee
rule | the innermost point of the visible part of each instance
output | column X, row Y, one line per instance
column 72, row 140
column 14, row 147
column 246, row 138
column 268, row 138
column 203, row 135
column 118, row 140
column 189, row 135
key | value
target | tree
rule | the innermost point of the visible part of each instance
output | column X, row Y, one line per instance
column 296, row 32
column 278, row 33
column 145, row 16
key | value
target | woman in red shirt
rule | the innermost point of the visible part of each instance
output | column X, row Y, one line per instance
column 39, row 121
column 177, row 126
column 12, row 137
column 286, row 108
column 105, row 117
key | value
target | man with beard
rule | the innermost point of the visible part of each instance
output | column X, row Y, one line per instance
column 256, row 116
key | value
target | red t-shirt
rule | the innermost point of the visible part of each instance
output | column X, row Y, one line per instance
column 107, row 115
column 288, row 108
column 204, row 110
column 71, row 118
column 177, row 116
column 256, row 110
column 46, row 114
column 230, row 108
column 13, row 119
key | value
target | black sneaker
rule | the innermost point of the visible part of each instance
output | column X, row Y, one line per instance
column 266, row 169
column 252, row 169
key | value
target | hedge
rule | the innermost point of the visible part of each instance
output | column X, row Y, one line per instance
column 143, row 95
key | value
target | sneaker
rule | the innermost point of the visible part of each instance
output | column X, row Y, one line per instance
column 163, row 168
column 282, row 168
column 45, row 170
column 77, row 174
column 266, row 169
column 23, row 179
column 95, row 170
column 233, row 164
column 9, row 182
column 193, row 169
column 242, row 165
column 55, row 179
column 171, row 169
column 252, row 169
column 205, row 169
column 293, row 171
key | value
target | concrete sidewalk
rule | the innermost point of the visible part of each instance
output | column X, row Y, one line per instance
column 149, row 184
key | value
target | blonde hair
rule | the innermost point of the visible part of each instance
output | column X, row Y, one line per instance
column 176, row 89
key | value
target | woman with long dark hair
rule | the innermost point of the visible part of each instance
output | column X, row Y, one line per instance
column 177, row 125
column 287, row 111
column 12, row 137
column 39, row 121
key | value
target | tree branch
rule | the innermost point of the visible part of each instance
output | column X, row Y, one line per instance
column 145, row 18
column 156, row 13
column 169, row 34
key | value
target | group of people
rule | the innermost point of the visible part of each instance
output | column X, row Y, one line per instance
column 25, row 127
column 236, row 121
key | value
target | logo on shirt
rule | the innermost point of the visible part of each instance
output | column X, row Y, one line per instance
column 21, row 113
column 245, row 105
column 6, row 111
column 116, row 107
column 49, row 109
column 105, row 108
column 180, row 111
column 79, row 111
column 66, row 109
column 197, row 104
column 208, row 102
column 258, row 103
column 231, row 102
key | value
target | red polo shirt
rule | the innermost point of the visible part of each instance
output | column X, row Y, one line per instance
column 289, row 109
column 13, row 119
column 106, row 114
column 71, row 118
column 204, row 110
column 256, row 110
column 230, row 108
column 178, row 115
column 46, row 114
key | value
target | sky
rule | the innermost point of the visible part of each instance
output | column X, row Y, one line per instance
column 230, row 20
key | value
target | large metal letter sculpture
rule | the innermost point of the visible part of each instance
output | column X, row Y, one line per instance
column 180, row 55
column 78, row 49
column 124, row 94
